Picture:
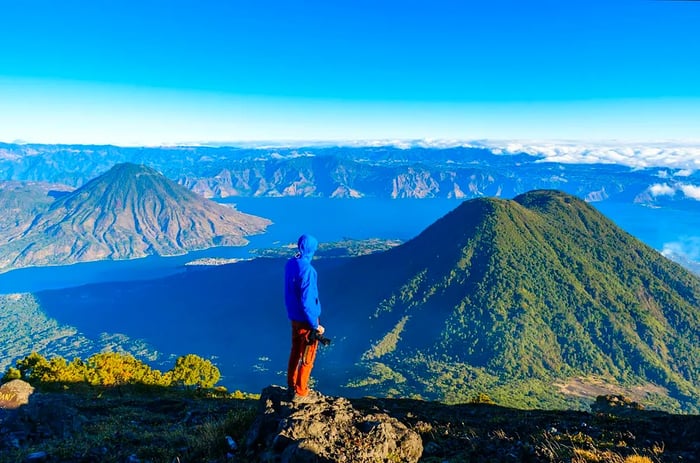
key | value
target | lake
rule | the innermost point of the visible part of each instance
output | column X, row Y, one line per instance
column 327, row 219
column 336, row 219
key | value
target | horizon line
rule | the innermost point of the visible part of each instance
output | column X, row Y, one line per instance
column 402, row 143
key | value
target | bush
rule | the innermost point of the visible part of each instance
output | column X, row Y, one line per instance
column 10, row 374
column 481, row 398
column 192, row 370
column 113, row 369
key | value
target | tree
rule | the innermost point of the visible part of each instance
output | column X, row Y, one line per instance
column 10, row 374
column 114, row 368
column 192, row 370
column 34, row 367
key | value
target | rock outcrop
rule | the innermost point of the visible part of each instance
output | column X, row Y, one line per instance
column 328, row 429
column 615, row 404
column 15, row 393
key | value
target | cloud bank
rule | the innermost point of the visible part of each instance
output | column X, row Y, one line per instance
column 664, row 189
column 684, row 156
column 685, row 251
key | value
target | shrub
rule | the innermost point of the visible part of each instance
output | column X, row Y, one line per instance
column 192, row 370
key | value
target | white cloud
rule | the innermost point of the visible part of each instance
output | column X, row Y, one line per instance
column 683, row 173
column 680, row 156
column 690, row 191
column 688, row 248
column 292, row 155
column 673, row 155
column 662, row 189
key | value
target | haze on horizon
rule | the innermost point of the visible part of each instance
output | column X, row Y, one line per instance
column 152, row 73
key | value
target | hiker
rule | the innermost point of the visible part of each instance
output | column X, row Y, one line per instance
column 303, row 310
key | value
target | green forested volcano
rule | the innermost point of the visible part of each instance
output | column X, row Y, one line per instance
column 509, row 296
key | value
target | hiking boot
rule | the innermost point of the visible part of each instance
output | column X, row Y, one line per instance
column 311, row 397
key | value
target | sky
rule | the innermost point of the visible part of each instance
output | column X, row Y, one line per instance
column 171, row 72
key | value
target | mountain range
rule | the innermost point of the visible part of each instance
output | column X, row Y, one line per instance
column 350, row 172
column 536, row 301
column 129, row 211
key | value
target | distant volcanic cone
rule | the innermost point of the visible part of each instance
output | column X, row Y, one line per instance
column 130, row 211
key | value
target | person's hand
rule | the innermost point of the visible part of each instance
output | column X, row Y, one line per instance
column 320, row 329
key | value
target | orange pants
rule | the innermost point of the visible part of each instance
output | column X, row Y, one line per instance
column 301, row 358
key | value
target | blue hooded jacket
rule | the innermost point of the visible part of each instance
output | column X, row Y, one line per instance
column 300, row 284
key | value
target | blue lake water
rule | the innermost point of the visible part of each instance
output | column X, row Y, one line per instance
column 327, row 219
column 336, row 219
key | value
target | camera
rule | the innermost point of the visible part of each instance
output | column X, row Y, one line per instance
column 316, row 336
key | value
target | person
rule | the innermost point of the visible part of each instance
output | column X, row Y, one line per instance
column 303, row 310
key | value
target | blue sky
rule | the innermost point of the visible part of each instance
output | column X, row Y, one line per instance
column 151, row 72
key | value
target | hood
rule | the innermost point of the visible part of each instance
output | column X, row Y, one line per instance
column 307, row 246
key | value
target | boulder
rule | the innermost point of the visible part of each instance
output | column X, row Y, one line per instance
column 327, row 429
column 615, row 404
column 15, row 393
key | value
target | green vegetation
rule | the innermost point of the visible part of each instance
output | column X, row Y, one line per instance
column 380, row 374
column 191, row 370
column 388, row 343
column 112, row 369
column 481, row 398
column 25, row 326
column 511, row 296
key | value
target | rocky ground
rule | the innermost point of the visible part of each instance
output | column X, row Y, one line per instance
column 489, row 433
column 120, row 425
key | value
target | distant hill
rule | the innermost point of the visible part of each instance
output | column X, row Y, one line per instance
column 20, row 202
column 130, row 211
